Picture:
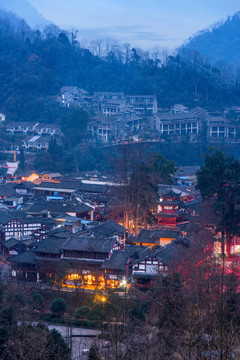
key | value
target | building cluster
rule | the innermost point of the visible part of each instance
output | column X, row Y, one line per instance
column 33, row 135
column 109, row 103
column 47, row 220
column 122, row 117
column 115, row 117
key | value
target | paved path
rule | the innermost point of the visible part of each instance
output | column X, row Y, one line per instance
column 79, row 344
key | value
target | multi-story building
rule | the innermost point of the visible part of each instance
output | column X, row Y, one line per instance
column 32, row 128
column 178, row 124
column 170, row 210
column 120, row 125
column 37, row 142
column 16, row 224
column 73, row 96
column 220, row 128
column 143, row 104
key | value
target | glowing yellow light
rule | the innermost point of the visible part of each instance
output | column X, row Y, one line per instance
column 103, row 299
column 73, row 277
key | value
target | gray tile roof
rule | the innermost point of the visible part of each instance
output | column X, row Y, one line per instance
column 119, row 258
column 108, row 228
column 28, row 257
column 51, row 245
column 117, row 261
column 63, row 185
column 25, row 185
column 10, row 243
column 92, row 188
column 5, row 217
column 176, row 250
column 7, row 189
column 150, row 236
column 58, row 206
column 89, row 244
column 171, row 252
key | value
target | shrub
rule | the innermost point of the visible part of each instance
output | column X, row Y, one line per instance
column 58, row 306
column 36, row 301
column 82, row 312
column 96, row 314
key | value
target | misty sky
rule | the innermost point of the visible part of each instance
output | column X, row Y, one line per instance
column 143, row 23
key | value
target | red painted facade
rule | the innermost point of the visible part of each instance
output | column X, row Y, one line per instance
column 170, row 210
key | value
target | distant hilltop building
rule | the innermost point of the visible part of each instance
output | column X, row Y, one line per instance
column 73, row 96
column 108, row 103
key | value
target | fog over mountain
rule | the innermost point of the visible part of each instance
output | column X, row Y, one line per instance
column 220, row 43
column 141, row 23
column 25, row 10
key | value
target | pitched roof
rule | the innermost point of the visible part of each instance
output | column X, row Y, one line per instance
column 92, row 188
column 119, row 258
column 51, row 245
column 69, row 186
column 89, row 244
column 170, row 193
column 117, row 261
column 108, row 228
column 150, row 236
column 59, row 233
column 25, row 185
column 58, row 206
column 5, row 217
column 10, row 243
column 177, row 250
column 7, row 189
column 27, row 257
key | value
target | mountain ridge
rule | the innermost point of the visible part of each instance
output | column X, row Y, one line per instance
column 26, row 11
column 219, row 44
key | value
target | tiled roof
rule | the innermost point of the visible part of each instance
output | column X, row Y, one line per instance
column 176, row 250
column 117, row 261
column 92, row 188
column 171, row 252
column 5, row 217
column 108, row 228
column 7, row 189
column 25, row 185
column 58, row 206
column 119, row 258
column 10, row 243
column 28, row 257
column 150, row 236
column 68, row 185
column 51, row 245
column 88, row 243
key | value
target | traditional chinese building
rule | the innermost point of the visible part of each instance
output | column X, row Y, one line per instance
column 171, row 211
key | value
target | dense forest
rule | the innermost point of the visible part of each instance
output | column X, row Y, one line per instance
column 220, row 44
column 35, row 64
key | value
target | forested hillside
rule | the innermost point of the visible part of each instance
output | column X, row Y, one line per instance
column 220, row 44
column 34, row 65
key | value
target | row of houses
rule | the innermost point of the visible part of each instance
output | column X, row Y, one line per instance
column 101, row 257
column 195, row 123
column 64, row 220
column 69, row 220
column 108, row 103
column 55, row 226
column 127, row 123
